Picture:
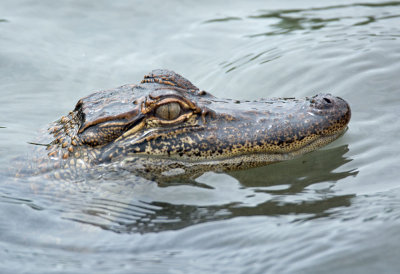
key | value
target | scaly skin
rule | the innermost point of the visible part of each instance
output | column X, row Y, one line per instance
column 167, row 125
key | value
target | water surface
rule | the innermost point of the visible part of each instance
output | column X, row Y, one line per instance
column 333, row 211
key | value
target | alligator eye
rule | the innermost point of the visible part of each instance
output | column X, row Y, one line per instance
column 168, row 111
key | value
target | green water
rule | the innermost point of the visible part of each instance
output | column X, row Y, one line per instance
column 336, row 210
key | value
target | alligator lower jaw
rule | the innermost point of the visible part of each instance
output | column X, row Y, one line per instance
column 163, row 165
column 260, row 159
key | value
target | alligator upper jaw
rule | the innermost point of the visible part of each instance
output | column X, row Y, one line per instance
column 278, row 129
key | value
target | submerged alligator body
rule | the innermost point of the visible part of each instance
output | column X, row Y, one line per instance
column 166, row 125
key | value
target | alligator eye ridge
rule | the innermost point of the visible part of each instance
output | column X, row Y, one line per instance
column 169, row 111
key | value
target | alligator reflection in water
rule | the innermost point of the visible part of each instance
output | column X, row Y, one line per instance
column 258, row 192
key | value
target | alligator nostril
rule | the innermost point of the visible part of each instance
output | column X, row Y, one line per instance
column 323, row 101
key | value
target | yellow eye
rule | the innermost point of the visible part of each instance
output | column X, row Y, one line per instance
column 168, row 111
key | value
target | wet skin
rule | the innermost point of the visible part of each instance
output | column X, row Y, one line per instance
column 165, row 123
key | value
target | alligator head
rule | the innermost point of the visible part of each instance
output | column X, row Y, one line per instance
column 166, row 119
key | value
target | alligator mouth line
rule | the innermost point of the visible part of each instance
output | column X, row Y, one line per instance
column 245, row 160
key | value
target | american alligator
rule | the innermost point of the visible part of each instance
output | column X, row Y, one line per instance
column 166, row 125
